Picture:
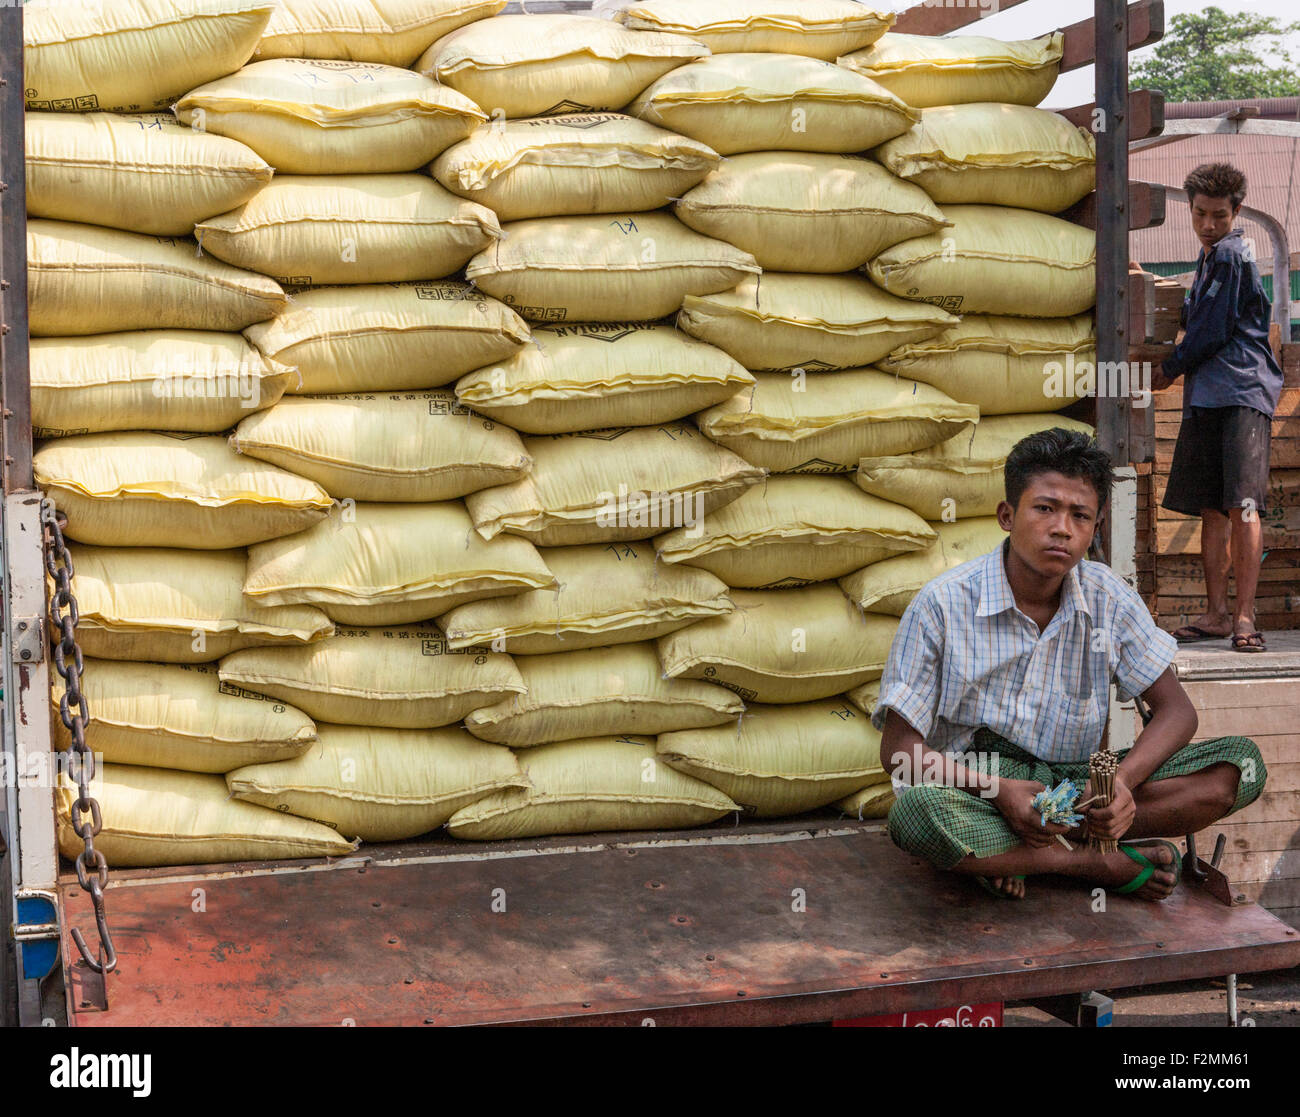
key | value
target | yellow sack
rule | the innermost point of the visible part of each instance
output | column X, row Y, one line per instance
column 388, row 337
column 961, row 477
column 380, row 785
column 82, row 279
column 600, row 692
column 309, row 117
column 537, row 65
column 801, row 212
column 781, row 759
column 597, row 783
column 818, row 28
column 795, row 645
column 889, row 586
column 162, row 716
column 813, row 322
column 172, row 380
column 413, row 446
column 865, row 697
column 997, row 155
column 174, row 606
column 132, row 55
column 612, row 485
column 873, row 801
column 1002, row 365
column 156, row 817
column 626, row 268
column 325, row 229
column 385, row 564
column 827, row 423
column 793, row 530
column 592, row 377
column 995, row 260
column 605, row 594
column 145, row 173
column 577, row 163
column 141, row 489
column 403, row 678
column 395, row 32
column 774, row 102
column 926, row 71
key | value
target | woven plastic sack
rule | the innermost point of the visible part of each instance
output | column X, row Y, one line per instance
column 961, row 69
column 827, row 423
column 598, row 692
column 779, row 646
column 386, row 564
column 605, row 594
column 774, row 102
column 153, row 817
column 813, row 322
column 324, row 229
column 161, row 716
column 536, row 65
column 1002, row 365
column 403, row 678
column 872, row 801
column 793, row 530
column 961, row 477
column 625, row 268
column 781, row 760
column 865, row 697
column 801, row 212
column 171, row 606
column 1007, row 155
column 83, row 279
column 309, row 117
column 394, row 32
column 144, row 173
column 132, row 55
column 995, row 260
column 141, row 489
column 172, row 380
column 593, row 784
column 888, row 587
column 613, row 485
column 576, row 163
column 602, row 375
column 380, row 785
column 388, row 337
column 397, row 447
column 818, row 28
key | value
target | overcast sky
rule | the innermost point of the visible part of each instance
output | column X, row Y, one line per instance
column 1037, row 17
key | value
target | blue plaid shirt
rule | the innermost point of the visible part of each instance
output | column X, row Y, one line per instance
column 964, row 656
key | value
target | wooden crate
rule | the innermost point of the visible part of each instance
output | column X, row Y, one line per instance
column 1262, row 857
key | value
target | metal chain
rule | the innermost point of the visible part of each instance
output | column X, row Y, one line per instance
column 74, row 712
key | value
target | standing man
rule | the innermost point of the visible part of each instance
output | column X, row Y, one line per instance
column 1233, row 381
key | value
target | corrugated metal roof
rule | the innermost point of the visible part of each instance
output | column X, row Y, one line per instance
column 1270, row 108
column 1271, row 165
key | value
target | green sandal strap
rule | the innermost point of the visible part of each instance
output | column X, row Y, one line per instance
column 1145, row 875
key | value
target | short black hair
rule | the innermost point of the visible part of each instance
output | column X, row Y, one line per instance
column 1216, row 180
column 1058, row 450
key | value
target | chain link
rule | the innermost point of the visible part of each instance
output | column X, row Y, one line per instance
column 92, row 869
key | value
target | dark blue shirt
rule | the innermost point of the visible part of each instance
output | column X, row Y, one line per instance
column 1225, row 352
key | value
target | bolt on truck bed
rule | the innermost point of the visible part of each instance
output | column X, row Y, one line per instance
column 776, row 923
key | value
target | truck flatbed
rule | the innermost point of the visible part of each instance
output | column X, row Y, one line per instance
column 687, row 928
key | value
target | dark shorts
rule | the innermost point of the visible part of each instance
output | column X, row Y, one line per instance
column 1220, row 461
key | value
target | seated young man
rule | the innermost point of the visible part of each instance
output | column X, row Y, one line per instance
column 998, row 685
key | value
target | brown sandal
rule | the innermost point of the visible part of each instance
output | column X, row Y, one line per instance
column 1249, row 642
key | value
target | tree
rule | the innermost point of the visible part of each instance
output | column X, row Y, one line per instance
column 1215, row 56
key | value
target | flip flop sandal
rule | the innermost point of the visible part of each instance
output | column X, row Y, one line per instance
column 1149, row 867
column 988, row 887
column 1252, row 642
column 1198, row 634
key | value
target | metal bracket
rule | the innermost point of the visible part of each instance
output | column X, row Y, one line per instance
column 28, row 640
